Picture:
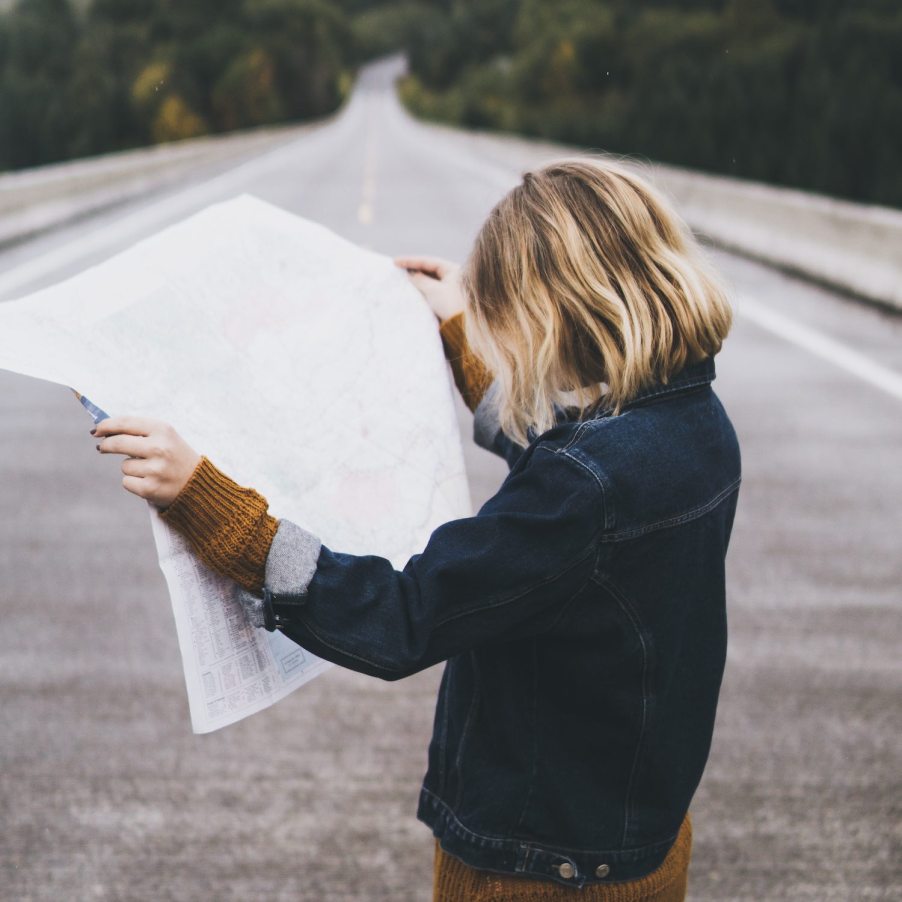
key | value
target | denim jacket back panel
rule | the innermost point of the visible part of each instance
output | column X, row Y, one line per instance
column 581, row 611
column 581, row 746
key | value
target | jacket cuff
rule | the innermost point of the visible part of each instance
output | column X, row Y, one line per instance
column 290, row 567
column 470, row 375
column 227, row 525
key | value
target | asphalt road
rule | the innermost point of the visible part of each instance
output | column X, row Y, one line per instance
column 106, row 794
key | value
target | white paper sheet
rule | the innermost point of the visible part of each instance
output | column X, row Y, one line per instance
column 301, row 365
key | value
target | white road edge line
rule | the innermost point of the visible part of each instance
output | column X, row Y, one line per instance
column 821, row 345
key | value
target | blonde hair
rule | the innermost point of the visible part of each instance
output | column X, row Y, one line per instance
column 583, row 284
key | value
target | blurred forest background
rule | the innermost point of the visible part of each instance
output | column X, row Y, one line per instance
column 806, row 93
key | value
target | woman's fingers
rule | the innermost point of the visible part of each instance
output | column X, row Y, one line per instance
column 136, row 466
column 419, row 264
column 423, row 282
column 444, row 296
column 137, row 486
column 159, row 461
column 436, row 267
column 130, row 445
column 128, row 425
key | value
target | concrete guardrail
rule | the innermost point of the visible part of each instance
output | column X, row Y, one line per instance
column 34, row 200
column 854, row 248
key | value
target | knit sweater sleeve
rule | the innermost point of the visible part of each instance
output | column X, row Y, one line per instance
column 470, row 375
column 227, row 525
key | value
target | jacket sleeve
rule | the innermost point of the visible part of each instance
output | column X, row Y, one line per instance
column 503, row 574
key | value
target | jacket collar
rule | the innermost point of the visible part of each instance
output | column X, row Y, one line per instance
column 692, row 376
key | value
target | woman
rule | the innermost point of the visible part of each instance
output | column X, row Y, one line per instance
column 581, row 610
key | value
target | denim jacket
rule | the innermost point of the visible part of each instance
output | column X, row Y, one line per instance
column 582, row 616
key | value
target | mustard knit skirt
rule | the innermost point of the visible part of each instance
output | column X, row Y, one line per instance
column 455, row 881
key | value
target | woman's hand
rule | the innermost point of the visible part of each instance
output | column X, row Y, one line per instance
column 438, row 281
column 159, row 461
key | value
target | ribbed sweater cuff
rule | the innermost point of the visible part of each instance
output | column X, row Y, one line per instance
column 470, row 375
column 226, row 524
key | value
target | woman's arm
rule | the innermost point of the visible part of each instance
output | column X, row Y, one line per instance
column 439, row 282
column 227, row 525
column 507, row 571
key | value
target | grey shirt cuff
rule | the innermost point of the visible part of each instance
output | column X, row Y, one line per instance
column 290, row 566
column 486, row 423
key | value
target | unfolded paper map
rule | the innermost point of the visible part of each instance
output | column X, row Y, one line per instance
column 301, row 365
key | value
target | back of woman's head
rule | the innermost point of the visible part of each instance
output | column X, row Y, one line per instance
column 584, row 284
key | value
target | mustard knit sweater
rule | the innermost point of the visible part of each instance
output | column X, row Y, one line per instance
column 230, row 529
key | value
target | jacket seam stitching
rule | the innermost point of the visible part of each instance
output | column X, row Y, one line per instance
column 561, row 614
column 392, row 668
column 606, row 503
column 627, row 607
column 687, row 517
column 535, row 734
column 505, row 601
column 387, row 668
column 566, row 605
column 446, row 704
column 462, row 742
column 576, row 434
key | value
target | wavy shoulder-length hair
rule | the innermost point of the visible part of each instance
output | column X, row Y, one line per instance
column 584, row 286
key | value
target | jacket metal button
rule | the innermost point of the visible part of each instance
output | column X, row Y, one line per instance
column 566, row 870
column 602, row 870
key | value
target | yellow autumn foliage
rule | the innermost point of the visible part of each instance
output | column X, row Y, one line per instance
column 151, row 83
column 176, row 120
column 563, row 68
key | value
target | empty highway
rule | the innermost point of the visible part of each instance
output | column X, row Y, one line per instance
column 104, row 792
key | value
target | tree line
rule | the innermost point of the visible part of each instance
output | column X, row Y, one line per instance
column 793, row 92
column 85, row 78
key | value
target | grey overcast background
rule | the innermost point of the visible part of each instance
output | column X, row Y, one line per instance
column 106, row 794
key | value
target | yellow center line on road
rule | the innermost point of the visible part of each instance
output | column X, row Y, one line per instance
column 368, row 194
